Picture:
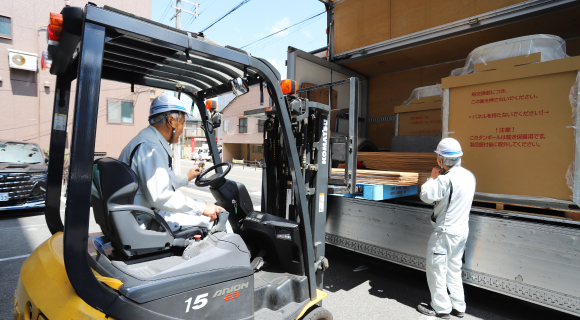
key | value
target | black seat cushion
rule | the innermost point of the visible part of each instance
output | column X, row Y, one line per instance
column 188, row 233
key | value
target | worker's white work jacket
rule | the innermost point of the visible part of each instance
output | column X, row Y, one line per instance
column 158, row 185
column 450, row 216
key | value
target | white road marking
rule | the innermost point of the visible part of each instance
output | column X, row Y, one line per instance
column 14, row 258
column 28, row 226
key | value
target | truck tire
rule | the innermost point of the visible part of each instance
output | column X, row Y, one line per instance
column 318, row 313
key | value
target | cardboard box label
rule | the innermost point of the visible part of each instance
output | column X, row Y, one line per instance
column 514, row 134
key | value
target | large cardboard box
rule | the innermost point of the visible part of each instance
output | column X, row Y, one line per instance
column 422, row 117
column 513, row 119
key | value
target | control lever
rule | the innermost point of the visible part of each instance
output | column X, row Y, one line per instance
column 221, row 224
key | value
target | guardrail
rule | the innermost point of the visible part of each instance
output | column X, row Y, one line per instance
column 247, row 163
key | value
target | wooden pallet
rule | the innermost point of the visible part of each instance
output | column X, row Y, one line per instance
column 528, row 209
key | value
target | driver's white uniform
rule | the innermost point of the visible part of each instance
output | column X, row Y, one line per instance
column 158, row 184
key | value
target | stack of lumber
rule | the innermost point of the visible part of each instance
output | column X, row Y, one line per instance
column 399, row 161
column 381, row 177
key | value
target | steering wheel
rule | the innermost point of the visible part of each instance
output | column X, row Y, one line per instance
column 201, row 181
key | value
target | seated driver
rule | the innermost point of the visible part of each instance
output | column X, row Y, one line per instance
column 149, row 155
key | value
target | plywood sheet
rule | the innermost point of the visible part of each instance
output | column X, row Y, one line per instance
column 359, row 23
column 513, row 132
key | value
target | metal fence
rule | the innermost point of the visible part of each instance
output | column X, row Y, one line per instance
column 247, row 163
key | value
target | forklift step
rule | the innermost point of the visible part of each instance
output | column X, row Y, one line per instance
column 379, row 192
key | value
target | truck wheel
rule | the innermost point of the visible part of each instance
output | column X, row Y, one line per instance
column 318, row 313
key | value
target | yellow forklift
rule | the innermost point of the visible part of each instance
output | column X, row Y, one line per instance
column 270, row 267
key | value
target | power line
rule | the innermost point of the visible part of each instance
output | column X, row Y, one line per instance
column 192, row 18
column 268, row 36
column 264, row 45
column 225, row 15
column 166, row 11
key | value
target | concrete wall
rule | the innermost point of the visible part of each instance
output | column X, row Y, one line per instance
column 232, row 151
column 239, row 151
column 26, row 106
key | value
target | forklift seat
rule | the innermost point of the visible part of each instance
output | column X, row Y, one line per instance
column 114, row 188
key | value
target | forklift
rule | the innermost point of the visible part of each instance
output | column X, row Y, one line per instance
column 270, row 267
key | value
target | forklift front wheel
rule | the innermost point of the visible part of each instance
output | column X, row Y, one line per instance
column 318, row 313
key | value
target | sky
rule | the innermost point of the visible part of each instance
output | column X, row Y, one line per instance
column 252, row 21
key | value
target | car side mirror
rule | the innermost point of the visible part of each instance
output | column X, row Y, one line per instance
column 46, row 161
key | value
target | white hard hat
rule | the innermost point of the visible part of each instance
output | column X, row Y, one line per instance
column 449, row 148
column 165, row 103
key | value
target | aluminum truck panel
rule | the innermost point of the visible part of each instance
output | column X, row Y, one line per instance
column 529, row 260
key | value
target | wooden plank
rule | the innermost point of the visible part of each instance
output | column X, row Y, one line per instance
column 399, row 161
column 574, row 215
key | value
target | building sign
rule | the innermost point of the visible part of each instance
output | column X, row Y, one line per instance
column 22, row 60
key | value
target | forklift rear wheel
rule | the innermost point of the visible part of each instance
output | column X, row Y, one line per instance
column 318, row 313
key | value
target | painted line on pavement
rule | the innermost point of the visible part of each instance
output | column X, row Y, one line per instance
column 233, row 175
column 28, row 226
column 14, row 258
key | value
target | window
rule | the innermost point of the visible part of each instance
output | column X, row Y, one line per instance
column 119, row 111
column 152, row 92
column 243, row 125
column 5, row 27
column 257, row 148
column 261, row 125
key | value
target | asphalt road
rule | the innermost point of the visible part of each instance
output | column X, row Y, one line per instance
column 358, row 287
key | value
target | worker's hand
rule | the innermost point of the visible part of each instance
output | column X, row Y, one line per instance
column 193, row 173
column 212, row 211
column 435, row 172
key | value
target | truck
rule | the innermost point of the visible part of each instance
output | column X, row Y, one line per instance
column 528, row 248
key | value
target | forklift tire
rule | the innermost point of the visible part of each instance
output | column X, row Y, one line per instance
column 318, row 313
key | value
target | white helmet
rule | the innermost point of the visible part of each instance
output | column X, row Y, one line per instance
column 449, row 148
column 165, row 103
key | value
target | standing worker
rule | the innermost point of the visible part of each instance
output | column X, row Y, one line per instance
column 149, row 155
column 451, row 189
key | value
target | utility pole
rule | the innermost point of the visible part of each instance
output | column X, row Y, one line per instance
column 178, row 11
column 177, row 148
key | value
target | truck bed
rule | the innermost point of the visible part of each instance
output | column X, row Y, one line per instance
column 532, row 258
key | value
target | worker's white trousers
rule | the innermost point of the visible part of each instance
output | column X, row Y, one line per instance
column 443, row 269
column 177, row 221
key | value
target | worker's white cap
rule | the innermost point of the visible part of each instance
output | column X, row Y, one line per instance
column 449, row 148
column 165, row 103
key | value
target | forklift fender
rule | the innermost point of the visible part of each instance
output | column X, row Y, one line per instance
column 319, row 296
column 44, row 282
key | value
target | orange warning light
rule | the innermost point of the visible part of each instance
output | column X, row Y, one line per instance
column 288, row 86
column 210, row 104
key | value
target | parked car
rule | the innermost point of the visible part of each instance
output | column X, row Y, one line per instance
column 23, row 171
column 207, row 155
